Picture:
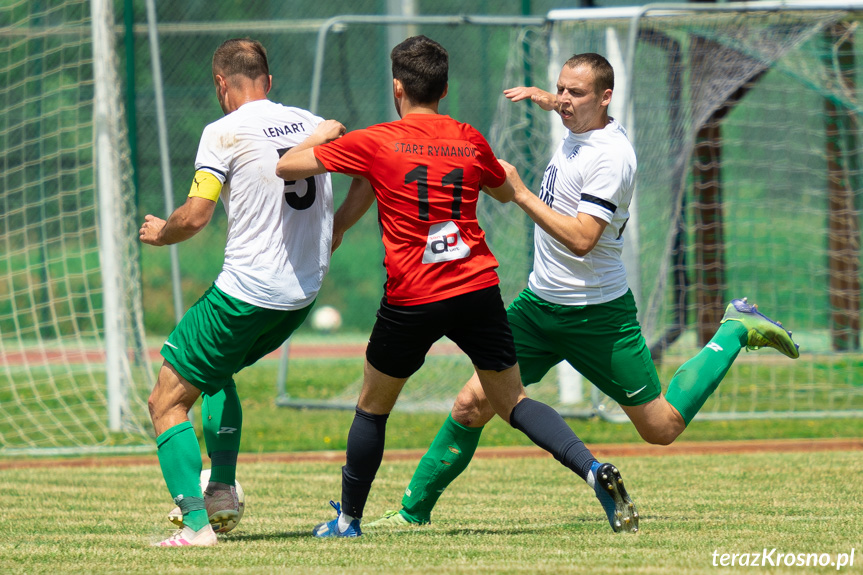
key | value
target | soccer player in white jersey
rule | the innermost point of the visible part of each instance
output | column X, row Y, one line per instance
column 276, row 256
column 577, row 306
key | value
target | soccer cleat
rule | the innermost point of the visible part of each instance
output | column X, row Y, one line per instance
column 331, row 528
column 186, row 537
column 392, row 520
column 763, row 331
column 223, row 510
column 611, row 493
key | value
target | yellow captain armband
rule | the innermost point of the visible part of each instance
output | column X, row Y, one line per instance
column 205, row 185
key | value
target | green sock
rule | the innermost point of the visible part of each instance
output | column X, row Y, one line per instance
column 180, row 459
column 698, row 378
column 222, row 422
column 448, row 455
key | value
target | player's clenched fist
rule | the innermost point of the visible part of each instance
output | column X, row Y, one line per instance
column 150, row 230
column 329, row 130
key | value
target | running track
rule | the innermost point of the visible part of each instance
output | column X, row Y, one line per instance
column 603, row 451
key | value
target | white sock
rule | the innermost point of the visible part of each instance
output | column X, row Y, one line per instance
column 344, row 522
column 591, row 479
column 195, row 534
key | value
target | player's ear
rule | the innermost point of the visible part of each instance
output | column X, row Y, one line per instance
column 606, row 98
column 398, row 88
column 221, row 83
column 269, row 83
column 445, row 90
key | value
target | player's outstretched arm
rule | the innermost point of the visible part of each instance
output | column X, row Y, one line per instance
column 185, row 222
column 578, row 234
column 300, row 162
column 545, row 100
column 326, row 131
column 360, row 198
column 504, row 193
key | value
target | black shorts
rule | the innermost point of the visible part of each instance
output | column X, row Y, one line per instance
column 475, row 321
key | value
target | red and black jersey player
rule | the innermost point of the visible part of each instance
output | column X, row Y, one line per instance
column 426, row 171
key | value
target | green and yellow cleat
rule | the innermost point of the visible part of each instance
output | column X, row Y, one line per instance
column 763, row 331
column 391, row 520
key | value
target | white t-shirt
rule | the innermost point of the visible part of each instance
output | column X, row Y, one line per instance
column 593, row 173
column 279, row 233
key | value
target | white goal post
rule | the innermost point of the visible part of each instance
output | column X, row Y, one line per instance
column 74, row 371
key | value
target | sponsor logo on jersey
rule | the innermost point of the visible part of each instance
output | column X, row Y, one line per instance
column 444, row 244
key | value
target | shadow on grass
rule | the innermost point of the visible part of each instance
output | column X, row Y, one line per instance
column 270, row 536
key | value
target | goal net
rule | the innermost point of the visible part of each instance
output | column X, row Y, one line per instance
column 745, row 122
column 73, row 368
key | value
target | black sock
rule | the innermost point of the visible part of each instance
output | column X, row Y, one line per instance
column 545, row 427
column 365, row 452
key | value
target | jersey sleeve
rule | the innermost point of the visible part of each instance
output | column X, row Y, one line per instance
column 493, row 173
column 352, row 154
column 602, row 189
column 211, row 156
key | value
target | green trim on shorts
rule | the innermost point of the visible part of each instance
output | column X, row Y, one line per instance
column 220, row 335
column 602, row 341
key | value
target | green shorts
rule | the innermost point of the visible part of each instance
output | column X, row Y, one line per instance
column 220, row 335
column 603, row 342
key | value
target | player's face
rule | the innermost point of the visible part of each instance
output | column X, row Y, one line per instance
column 578, row 104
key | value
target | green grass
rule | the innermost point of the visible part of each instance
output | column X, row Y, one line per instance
column 501, row 516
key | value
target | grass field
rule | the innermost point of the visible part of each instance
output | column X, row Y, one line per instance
column 502, row 516
column 523, row 515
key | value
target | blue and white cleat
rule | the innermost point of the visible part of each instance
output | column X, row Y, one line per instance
column 763, row 331
column 616, row 502
column 331, row 528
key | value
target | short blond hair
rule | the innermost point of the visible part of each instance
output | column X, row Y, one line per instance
column 241, row 56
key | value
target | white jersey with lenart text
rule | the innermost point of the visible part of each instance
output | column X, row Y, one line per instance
column 593, row 173
column 279, row 233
